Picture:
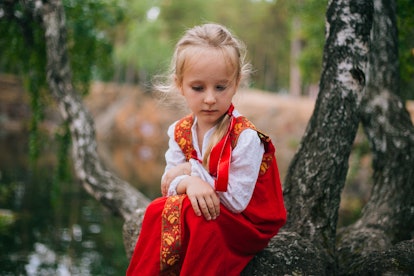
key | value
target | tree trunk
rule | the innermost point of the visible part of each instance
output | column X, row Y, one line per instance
column 388, row 217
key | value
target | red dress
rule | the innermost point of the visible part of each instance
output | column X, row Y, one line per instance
column 174, row 241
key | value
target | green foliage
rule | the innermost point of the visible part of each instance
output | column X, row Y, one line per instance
column 121, row 38
column 264, row 28
column 183, row 14
column 143, row 44
column 23, row 50
column 20, row 28
column 63, row 171
column 146, row 44
column 7, row 218
column 90, row 26
column 311, row 14
column 405, row 11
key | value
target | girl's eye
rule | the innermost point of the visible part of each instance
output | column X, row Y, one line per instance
column 197, row 88
column 221, row 87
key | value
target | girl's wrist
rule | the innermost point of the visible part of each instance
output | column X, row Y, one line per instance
column 182, row 185
column 186, row 169
column 173, row 188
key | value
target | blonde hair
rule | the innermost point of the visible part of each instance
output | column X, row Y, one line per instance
column 208, row 36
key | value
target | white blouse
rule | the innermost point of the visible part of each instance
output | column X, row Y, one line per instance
column 244, row 169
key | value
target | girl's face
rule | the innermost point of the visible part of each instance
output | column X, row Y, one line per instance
column 208, row 84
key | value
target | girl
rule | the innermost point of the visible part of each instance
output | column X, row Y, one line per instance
column 222, row 198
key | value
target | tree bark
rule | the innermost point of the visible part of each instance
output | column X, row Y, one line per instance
column 388, row 217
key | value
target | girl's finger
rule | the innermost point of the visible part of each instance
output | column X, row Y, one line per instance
column 216, row 202
column 203, row 207
column 211, row 208
column 194, row 204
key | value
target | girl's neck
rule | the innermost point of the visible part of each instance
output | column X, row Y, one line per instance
column 201, row 132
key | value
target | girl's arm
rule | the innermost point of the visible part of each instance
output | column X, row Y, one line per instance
column 176, row 166
column 202, row 196
column 244, row 171
column 177, row 180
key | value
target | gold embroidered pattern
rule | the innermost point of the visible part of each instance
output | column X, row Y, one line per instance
column 266, row 163
column 183, row 136
column 241, row 124
column 171, row 235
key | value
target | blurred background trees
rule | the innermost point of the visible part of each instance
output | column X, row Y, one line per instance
column 132, row 40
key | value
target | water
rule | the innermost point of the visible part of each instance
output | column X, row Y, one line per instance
column 49, row 229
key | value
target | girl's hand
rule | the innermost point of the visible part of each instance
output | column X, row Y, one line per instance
column 202, row 196
column 182, row 169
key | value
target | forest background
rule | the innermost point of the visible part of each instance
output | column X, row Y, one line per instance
column 131, row 40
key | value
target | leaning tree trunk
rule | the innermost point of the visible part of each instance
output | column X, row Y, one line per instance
column 117, row 195
column 317, row 173
column 388, row 217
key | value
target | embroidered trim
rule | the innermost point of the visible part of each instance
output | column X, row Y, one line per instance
column 171, row 233
column 182, row 135
column 266, row 163
column 184, row 139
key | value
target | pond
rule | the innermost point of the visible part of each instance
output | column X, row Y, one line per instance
column 49, row 228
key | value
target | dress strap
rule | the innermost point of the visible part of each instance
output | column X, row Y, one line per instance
column 220, row 156
column 183, row 137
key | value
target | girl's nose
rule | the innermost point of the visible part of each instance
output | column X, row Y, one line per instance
column 210, row 98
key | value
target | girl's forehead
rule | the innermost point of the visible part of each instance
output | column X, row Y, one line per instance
column 194, row 53
column 203, row 57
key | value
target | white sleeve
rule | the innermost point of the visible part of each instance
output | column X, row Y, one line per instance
column 172, row 189
column 244, row 171
column 173, row 157
column 246, row 159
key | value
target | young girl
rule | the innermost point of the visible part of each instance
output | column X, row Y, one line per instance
column 222, row 198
